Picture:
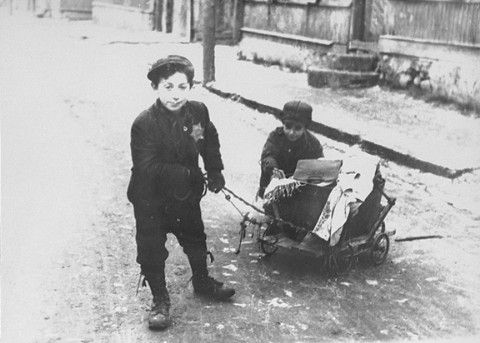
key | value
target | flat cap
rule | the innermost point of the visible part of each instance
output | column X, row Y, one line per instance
column 164, row 64
column 297, row 111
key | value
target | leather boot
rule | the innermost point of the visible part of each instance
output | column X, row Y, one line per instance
column 203, row 284
column 209, row 287
column 159, row 316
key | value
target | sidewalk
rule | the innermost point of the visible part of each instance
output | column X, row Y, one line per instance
column 433, row 138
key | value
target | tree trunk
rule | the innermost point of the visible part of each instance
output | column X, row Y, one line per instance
column 208, row 41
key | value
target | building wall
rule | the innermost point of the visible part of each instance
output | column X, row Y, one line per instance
column 139, row 4
column 129, row 14
column 71, row 9
column 74, row 9
column 108, row 13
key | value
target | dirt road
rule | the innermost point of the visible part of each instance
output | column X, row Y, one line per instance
column 68, row 253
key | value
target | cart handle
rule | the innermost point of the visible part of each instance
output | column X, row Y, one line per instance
column 391, row 202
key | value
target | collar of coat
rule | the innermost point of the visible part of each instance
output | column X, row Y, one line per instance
column 160, row 109
column 182, row 120
column 302, row 141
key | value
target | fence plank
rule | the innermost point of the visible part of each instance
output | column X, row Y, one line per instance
column 448, row 21
column 329, row 21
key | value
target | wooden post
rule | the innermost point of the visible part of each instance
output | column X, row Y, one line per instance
column 188, row 20
column 358, row 20
column 208, row 41
column 157, row 15
column 237, row 20
column 192, row 21
column 164, row 17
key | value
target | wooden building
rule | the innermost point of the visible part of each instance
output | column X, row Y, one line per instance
column 181, row 18
column 436, row 29
column 70, row 9
column 299, row 32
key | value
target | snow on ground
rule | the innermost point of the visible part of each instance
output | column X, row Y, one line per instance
column 70, row 100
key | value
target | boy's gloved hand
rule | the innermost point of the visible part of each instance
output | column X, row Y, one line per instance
column 260, row 193
column 269, row 163
column 216, row 181
column 278, row 173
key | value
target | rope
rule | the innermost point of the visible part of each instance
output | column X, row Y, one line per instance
column 278, row 220
column 228, row 198
column 242, row 200
column 141, row 282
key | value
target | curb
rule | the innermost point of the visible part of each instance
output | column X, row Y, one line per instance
column 323, row 77
column 351, row 139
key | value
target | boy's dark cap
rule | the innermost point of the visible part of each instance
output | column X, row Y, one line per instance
column 297, row 111
column 170, row 60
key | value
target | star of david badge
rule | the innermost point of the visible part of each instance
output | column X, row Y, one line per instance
column 197, row 132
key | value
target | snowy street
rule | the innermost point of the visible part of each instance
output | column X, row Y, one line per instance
column 69, row 93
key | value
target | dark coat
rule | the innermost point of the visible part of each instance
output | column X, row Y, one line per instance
column 165, row 155
column 279, row 152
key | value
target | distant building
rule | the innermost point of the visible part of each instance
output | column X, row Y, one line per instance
column 181, row 18
column 70, row 9
column 434, row 44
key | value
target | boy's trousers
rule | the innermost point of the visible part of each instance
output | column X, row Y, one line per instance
column 154, row 220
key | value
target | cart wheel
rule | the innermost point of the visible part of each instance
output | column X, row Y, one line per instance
column 379, row 250
column 268, row 240
column 340, row 262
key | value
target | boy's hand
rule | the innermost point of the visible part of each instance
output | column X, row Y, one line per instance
column 278, row 173
column 260, row 193
column 216, row 181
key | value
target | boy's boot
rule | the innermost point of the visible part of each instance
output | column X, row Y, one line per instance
column 203, row 284
column 159, row 317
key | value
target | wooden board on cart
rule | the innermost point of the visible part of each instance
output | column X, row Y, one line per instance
column 355, row 244
column 288, row 243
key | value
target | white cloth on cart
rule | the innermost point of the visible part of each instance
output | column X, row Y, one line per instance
column 357, row 174
column 334, row 215
column 354, row 183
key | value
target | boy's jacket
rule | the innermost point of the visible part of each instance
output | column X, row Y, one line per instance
column 163, row 148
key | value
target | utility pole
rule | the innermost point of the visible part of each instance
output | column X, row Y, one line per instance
column 208, row 39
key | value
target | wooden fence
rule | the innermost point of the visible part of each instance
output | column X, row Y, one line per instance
column 223, row 19
column 328, row 19
column 76, row 6
column 447, row 21
column 139, row 4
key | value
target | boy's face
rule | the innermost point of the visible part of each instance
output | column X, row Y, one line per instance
column 293, row 130
column 173, row 91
